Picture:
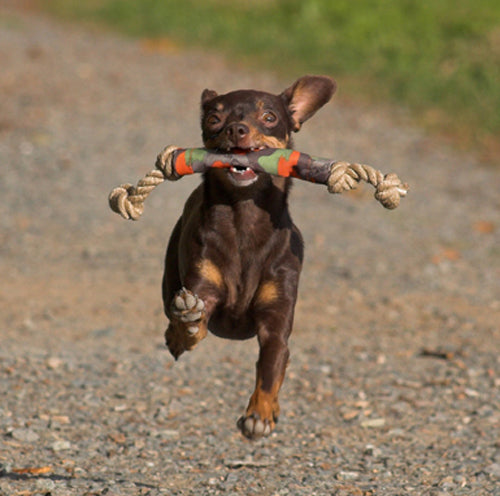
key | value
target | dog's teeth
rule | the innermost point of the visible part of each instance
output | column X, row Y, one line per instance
column 200, row 305
column 239, row 170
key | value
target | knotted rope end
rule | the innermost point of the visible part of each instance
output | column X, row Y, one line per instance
column 119, row 202
column 345, row 176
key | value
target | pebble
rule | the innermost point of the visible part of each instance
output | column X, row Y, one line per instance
column 371, row 450
column 373, row 423
column 447, row 483
column 54, row 362
column 347, row 475
column 168, row 434
column 45, row 486
column 493, row 470
column 61, row 446
column 25, row 435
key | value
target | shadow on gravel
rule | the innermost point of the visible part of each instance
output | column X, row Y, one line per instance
column 57, row 478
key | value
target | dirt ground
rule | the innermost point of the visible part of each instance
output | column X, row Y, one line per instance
column 393, row 385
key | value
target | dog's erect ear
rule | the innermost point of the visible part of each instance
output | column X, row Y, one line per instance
column 207, row 95
column 306, row 96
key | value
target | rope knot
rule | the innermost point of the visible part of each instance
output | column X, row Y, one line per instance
column 345, row 176
column 128, row 200
column 390, row 190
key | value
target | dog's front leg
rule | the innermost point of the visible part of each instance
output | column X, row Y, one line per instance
column 188, row 322
column 263, row 408
column 189, row 308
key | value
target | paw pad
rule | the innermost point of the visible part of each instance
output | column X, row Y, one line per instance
column 253, row 427
column 188, row 307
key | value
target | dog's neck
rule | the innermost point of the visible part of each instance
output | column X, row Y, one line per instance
column 266, row 198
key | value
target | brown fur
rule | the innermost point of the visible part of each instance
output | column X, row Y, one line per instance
column 235, row 247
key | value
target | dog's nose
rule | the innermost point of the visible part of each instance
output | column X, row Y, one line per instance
column 237, row 131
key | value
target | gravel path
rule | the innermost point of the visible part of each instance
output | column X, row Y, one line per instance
column 393, row 387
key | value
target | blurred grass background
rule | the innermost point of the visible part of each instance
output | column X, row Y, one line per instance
column 440, row 59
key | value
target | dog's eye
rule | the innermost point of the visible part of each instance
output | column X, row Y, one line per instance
column 269, row 117
column 213, row 120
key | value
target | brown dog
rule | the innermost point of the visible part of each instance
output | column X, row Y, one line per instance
column 234, row 257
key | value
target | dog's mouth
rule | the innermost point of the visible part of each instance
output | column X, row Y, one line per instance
column 243, row 176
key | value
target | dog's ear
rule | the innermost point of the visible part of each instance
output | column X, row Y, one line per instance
column 306, row 96
column 208, row 95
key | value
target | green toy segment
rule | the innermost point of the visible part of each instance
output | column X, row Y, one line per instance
column 270, row 162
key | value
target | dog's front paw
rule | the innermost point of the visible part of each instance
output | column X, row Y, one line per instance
column 188, row 308
column 253, row 427
column 187, row 326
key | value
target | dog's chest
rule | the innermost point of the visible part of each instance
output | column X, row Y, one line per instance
column 242, row 241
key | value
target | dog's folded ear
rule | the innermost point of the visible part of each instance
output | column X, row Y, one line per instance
column 208, row 95
column 306, row 96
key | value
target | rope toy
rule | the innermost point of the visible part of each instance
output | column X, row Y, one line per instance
column 174, row 162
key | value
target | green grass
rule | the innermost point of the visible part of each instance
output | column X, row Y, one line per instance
column 438, row 58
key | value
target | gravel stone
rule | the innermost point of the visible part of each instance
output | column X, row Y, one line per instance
column 493, row 470
column 61, row 446
column 25, row 435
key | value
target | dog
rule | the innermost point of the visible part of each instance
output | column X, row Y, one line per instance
column 234, row 257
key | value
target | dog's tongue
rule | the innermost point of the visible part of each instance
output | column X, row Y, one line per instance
column 242, row 174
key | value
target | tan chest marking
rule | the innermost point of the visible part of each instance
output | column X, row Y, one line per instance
column 267, row 293
column 210, row 272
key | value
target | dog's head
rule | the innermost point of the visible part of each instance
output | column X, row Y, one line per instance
column 248, row 120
